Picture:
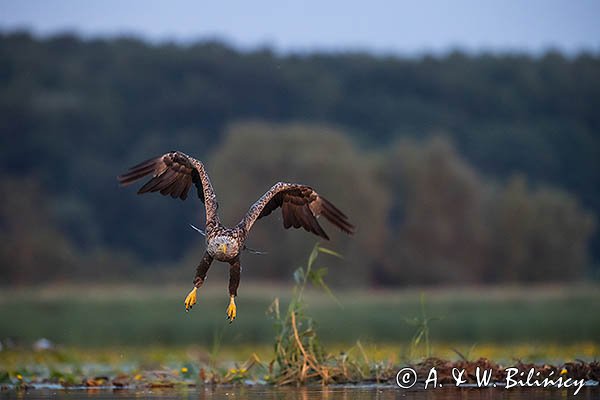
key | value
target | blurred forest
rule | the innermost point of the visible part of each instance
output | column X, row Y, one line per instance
column 455, row 169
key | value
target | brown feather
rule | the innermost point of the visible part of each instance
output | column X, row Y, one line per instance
column 150, row 161
column 150, row 185
column 334, row 210
column 173, row 172
column 166, row 179
column 134, row 175
column 300, row 207
column 341, row 224
column 292, row 215
column 169, row 187
column 314, row 224
column 177, row 186
column 286, row 212
column 184, row 192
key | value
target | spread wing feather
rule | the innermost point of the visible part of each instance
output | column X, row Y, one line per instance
column 173, row 174
column 300, row 208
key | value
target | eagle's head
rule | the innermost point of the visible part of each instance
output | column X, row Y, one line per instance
column 223, row 248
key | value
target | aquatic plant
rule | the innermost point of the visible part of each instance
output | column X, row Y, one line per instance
column 298, row 354
column 421, row 335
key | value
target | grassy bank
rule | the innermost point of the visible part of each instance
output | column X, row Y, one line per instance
column 134, row 316
column 134, row 337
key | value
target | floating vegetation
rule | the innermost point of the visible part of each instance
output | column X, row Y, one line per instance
column 341, row 369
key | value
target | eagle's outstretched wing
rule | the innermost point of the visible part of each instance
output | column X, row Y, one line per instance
column 173, row 174
column 300, row 207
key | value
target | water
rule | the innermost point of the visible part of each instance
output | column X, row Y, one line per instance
column 306, row 393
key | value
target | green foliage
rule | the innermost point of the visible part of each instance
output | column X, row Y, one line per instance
column 437, row 226
column 448, row 224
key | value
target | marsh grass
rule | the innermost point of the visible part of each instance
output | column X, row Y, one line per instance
column 422, row 330
column 299, row 355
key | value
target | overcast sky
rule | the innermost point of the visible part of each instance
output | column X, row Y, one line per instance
column 399, row 27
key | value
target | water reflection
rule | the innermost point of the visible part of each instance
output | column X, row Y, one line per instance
column 304, row 393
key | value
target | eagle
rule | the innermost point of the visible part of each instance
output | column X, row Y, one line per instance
column 174, row 173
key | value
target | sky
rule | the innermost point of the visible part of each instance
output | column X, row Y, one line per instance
column 388, row 27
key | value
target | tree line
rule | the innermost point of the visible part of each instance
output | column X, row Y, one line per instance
column 454, row 168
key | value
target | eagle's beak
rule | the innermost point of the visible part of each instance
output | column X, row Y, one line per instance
column 223, row 248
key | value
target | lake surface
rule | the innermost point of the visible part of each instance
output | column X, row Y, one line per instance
column 306, row 393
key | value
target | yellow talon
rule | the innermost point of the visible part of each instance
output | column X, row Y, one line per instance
column 231, row 310
column 190, row 300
